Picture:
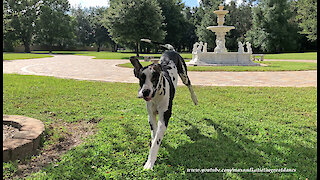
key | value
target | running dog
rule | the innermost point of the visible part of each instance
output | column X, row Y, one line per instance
column 158, row 83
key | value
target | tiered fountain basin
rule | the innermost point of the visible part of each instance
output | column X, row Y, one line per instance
column 220, row 28
column 223, row 59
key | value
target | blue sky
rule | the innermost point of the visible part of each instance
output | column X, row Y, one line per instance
column 191, row 3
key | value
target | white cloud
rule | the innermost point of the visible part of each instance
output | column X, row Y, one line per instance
column 88, row 3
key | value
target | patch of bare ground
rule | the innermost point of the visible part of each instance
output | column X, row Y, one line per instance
column 69, row 136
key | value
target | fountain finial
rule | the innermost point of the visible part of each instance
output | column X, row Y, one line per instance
column 221, row 6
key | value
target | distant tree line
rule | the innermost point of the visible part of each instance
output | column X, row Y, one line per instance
column 52, row 23
column 270, row 26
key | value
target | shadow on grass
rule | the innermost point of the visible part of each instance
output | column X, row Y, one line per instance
column 224, row 148
column 235, row 151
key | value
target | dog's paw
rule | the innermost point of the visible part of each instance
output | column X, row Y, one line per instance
column 148, row 166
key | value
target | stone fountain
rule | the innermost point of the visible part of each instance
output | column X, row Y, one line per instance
column 221, row 56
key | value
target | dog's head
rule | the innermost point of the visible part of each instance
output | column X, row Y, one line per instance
column 148, row 76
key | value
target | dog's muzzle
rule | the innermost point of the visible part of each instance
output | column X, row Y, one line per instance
column 145, row 94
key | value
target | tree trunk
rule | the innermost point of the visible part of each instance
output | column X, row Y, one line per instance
column 26, row 47
column 115, row 48
column 141, row 50
column 137, row 48
column 179, row 49
column 50, row 49
column 98, row 50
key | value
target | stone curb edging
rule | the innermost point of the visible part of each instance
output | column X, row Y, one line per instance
column 26, row 141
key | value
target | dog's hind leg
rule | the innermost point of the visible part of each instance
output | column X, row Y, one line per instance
column 162, row 126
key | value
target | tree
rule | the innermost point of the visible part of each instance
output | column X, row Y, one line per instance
column 54, row 25
column 307, row 18
column 241, row 18
column 271, row 28
column 20, row 17
column 174, row 21
column 89, row 29
column 131, row 20
column 208, row 18
column 100, row 33
column 9, row 37
column 83, row 29
column 189, row 36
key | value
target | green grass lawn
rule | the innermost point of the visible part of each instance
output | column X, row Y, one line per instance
column 113, row 55
column 232, row 127
column 304, row 56
column 108, row 55
column 14, row 56
column 272, row 66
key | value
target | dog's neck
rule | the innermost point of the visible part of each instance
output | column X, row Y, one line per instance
column 160, row 81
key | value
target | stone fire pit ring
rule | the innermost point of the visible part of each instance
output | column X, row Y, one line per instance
column 25, row 141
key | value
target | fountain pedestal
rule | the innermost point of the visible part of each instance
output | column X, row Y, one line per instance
column 221, row 56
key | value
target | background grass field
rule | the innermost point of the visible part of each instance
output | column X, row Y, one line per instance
column 14, row 56
column 112, row 55
column 233, row 127
column 304, row 56
column 108, row 55
column 271, row 66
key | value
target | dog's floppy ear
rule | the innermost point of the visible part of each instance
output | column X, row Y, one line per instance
column 136, row 64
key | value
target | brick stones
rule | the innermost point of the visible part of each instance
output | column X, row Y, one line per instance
column 26, row 141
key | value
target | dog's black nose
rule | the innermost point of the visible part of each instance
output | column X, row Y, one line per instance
column 146, row 92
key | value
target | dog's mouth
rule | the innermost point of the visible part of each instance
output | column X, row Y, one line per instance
column 147, row 98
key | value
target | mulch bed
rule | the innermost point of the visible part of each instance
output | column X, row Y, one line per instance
column 8, row 132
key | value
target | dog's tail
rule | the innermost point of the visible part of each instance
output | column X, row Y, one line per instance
column 182, row 71
column 186, row 81
column 167, row 46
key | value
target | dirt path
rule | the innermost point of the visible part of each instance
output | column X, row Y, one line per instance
column 86, row 68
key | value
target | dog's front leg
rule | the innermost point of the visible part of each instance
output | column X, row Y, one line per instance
column 156, row 142
column 152, row 120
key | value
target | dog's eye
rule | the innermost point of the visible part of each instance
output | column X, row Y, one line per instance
column 155, row 76
column 142, row 79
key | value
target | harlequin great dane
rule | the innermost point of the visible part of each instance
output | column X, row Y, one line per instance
column 158, row 83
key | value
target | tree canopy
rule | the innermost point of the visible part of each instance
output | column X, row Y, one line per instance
column 89, row 28
column 131, row 20
column 19, row 18
column 272, row 30
column 54, row 25
column 208, row 18
column 307, row 18
column 269, row 25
